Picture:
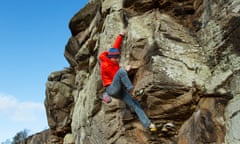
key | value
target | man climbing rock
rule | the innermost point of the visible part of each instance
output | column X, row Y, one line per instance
column 117, row 83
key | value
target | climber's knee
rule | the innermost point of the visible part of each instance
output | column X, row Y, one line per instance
column 122, row 72
column 112, row 91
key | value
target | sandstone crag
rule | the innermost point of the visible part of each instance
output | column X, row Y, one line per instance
column 185, row 55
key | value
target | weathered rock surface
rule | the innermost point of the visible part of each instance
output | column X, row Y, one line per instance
column 38, row 138
column 185, row 55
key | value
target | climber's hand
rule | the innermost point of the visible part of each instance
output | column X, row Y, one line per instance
column 123, row 32
column 128, row 68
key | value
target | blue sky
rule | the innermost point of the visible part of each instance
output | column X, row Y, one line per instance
column 33, row 35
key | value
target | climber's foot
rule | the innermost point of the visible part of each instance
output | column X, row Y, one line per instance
column 152, row 127
column 139, row 92
column 106, row 98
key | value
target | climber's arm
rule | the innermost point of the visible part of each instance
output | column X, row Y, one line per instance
column 119, row 39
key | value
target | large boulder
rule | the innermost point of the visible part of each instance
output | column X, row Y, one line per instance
column 185, row 55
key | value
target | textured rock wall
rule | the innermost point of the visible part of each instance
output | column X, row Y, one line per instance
column 185, row 55
column 219, row 38
column 38, row 138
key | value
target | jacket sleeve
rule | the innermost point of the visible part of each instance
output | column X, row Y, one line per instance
column 103, row 56
column 118, row 41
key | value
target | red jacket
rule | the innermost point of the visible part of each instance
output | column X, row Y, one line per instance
column 108, row 69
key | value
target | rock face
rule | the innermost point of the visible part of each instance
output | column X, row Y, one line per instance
column 185, row 55
column 38, row 138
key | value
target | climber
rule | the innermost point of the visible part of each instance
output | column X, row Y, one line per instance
column 117, row 83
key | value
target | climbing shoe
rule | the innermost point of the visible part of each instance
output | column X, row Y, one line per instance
column 106, row 98
column 139, row 92
column 152, row 127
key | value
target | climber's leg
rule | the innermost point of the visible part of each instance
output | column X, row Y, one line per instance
column 120, row 81
column 126, row 97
